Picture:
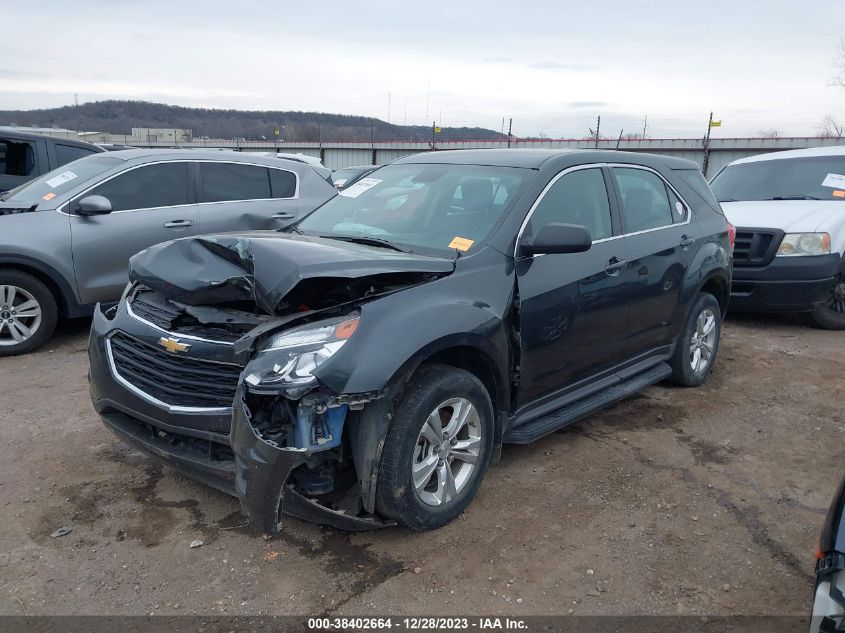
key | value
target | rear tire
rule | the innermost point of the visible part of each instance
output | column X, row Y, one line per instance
column 698, row 343
column 28, row 313
column 831, row 314
column 437, row 449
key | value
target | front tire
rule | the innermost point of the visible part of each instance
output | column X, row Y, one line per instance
column 437, row 449
column 831, row 314
column 28, row 313
column 698, row 343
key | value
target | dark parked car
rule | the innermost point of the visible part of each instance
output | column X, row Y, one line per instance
column 365, row 367
column 24, row 156
column 343, row 178
column 829, row 597
column 66, row 238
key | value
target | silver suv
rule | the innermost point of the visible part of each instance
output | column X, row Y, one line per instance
column 66, row 237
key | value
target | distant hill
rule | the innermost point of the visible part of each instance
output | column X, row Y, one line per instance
column 118, row 117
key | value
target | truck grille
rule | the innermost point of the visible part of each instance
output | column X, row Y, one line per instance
column 755, row 247
column 175, row 380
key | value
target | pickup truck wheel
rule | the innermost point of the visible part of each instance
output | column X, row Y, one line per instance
column 437, row 449
column 698, row 344
column 831, row 314
column 28, row 313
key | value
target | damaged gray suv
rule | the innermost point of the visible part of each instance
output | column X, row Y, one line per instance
column 364, row 367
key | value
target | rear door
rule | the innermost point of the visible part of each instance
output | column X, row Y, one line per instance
column 573, row 310
column 238, row 196
column 661, row 236
column 150, row 204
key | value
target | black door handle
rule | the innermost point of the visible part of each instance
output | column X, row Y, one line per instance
column 284, row 215
column 615, row 266
column 686, row 241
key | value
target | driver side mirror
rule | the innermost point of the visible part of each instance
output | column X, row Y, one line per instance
column 557, row 238
column 93, row 205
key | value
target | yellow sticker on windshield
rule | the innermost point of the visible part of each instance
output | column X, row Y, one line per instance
column 48, row 196
column 839, row 194
column 461, row 243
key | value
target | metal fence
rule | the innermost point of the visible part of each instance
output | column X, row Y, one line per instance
column 720, row 151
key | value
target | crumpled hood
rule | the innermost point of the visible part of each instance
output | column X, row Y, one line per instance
column 262, row 266
column 790, row 216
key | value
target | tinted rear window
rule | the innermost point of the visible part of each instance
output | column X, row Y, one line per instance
column 695, row 181
column 69, row 153
column 817, row 177
column 229, row 181
column 282, row 183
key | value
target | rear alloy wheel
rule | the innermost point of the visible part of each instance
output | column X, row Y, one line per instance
column 698, row 343
column 831, row 314
column 437, row 448
column 27, row 313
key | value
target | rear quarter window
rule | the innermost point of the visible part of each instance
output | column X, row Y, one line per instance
column 694, row 179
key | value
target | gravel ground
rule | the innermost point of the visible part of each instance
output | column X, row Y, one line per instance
column 677, row 501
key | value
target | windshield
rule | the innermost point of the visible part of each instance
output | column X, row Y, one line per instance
column 60, row 181
column 812, row 178
column 342, row 175
column 421, row 206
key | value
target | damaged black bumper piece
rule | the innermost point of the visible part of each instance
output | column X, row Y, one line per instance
column 219, row 448
column 262, row 482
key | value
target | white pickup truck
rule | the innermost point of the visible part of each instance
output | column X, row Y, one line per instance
column 789, row 212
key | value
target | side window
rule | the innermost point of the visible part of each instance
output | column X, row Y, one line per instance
column 160, row 185
column 579, row 197
column 230, row 181
column 282, row 183
column 645, row 200
column 70, row 153
column 679, row 209
column 17, row 158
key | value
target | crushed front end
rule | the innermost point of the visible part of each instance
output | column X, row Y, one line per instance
column 211, row 367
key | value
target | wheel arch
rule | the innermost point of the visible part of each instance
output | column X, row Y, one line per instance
column 50, row 277
column 718, row 286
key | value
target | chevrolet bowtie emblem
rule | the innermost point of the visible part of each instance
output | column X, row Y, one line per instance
column 173, row 345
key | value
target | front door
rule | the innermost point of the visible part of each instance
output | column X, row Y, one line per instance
column 150, row 204
column 573, row 307
column 661, row 235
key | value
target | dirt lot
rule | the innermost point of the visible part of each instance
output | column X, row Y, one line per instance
column 677, row 501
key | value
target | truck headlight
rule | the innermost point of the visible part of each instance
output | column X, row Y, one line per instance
column 794, row 244
column 289, row 359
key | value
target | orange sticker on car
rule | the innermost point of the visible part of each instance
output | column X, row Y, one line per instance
column 461, row 243
column 839, row 194
column 51, row 195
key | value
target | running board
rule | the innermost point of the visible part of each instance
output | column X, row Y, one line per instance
column 537, row 428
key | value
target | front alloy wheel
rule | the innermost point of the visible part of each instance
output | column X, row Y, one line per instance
column 437, row 448
column 20, row 315
column 446, row 453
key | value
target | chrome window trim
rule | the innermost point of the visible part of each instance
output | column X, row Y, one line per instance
column 61, row 208
column 621, row 210
column 173, row 334
column 235, row 162
column 145, row 396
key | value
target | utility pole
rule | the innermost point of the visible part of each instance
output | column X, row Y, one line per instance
column 373, row 144
column 433, row 131
column 619, row 140
column 645, row 125
column 707, row 145
column 598, row 125
column 510, row 128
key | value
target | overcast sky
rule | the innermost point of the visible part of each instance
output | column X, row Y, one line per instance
column 552, row 66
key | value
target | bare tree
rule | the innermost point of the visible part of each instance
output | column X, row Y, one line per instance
column 770, row 133
column 839, row 66
column 831, row 128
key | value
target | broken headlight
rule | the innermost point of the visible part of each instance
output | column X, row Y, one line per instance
column 288, row 359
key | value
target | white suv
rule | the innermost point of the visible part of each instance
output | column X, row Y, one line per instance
column 789, row 212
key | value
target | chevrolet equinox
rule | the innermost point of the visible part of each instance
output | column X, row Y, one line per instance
column 363, row 367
